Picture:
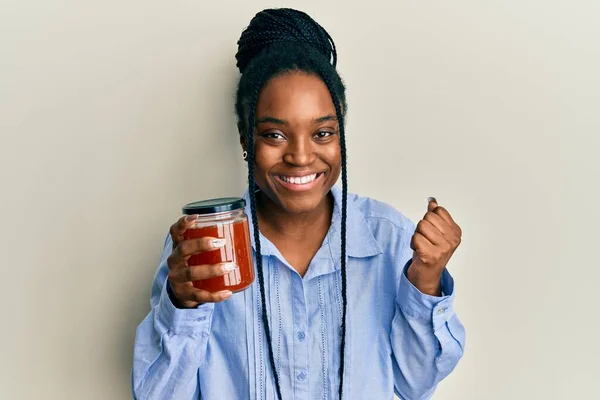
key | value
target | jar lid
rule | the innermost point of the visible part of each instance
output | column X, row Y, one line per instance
column 213, row 206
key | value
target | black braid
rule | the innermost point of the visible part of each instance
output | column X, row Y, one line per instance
column 278, row 41
column 259, row 267
column 342, row 136
column 282, row 25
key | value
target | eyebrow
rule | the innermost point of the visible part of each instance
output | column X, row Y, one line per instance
column 273, row 120
column 325, row 119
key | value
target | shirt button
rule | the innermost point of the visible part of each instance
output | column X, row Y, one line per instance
column 301, row 376
column 301, row 335
column 201, row 318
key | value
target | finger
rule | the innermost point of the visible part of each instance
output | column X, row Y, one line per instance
column 195, row 246
column 445, row 215
column 431, row 204
column 202, row 296
column 200, row 272
column 178, row 228
column 418, row 239
column 422, row 245
column 430, row 232
column 190, row 293
column 439, row 223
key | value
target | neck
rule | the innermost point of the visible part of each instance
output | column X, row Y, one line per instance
column 275, row 221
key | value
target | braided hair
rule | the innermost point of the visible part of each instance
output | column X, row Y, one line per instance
column 276, row 42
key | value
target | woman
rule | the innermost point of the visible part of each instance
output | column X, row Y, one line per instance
column 352, row 299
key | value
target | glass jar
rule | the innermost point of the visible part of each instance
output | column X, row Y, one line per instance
column 223, row 218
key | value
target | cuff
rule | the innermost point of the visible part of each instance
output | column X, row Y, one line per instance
column 194, row 321
column 425, row 307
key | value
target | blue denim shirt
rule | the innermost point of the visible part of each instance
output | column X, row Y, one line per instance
column 399, row 340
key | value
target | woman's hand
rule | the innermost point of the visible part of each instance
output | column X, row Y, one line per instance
column 181, row 275
column 436, row 238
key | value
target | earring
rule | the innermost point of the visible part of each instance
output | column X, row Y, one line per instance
column 245, row 155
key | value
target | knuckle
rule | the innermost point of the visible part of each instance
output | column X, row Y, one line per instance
column 207, row 271
column 216, row 270
column 216, row 297
column 171, row 261
column 185, row 248
column 189, row 274
column 199, row 296
column 412, row 243
column 203, row 244
column 455, row 241
column 197, row 245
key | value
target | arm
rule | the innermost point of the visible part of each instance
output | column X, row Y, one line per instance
column 427, row 338
column 170, row 344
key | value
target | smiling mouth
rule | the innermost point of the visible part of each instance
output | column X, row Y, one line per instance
column 299, row 182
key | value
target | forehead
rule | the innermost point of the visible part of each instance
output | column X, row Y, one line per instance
column 295, row 96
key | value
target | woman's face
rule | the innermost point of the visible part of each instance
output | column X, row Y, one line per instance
column 298, row 156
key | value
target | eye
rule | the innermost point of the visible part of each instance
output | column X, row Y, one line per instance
column 323, row 134
column 273, row 135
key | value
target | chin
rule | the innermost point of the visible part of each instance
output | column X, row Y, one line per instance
column 300, row 206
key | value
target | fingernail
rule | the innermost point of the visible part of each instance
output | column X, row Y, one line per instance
column 217, row 243
column 226, row 295
column 191, row 218
column 430, row 199
column 229, row 267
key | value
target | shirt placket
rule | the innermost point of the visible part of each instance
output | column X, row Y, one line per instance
column 301, row 350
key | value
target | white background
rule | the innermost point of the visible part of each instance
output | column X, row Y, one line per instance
column 113, row 114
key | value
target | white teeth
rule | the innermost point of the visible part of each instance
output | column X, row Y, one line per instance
column 299, row 180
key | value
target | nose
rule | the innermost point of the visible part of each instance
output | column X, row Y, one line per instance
column 300, row 152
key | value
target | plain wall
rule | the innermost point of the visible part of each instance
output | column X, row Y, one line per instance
column 116, row 113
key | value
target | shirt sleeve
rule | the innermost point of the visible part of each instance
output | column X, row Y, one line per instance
column 427, row 337
column 170, row 344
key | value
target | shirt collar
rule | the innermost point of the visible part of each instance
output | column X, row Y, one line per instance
column 360, row 241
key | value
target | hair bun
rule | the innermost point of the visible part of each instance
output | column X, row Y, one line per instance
column 282, row 25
